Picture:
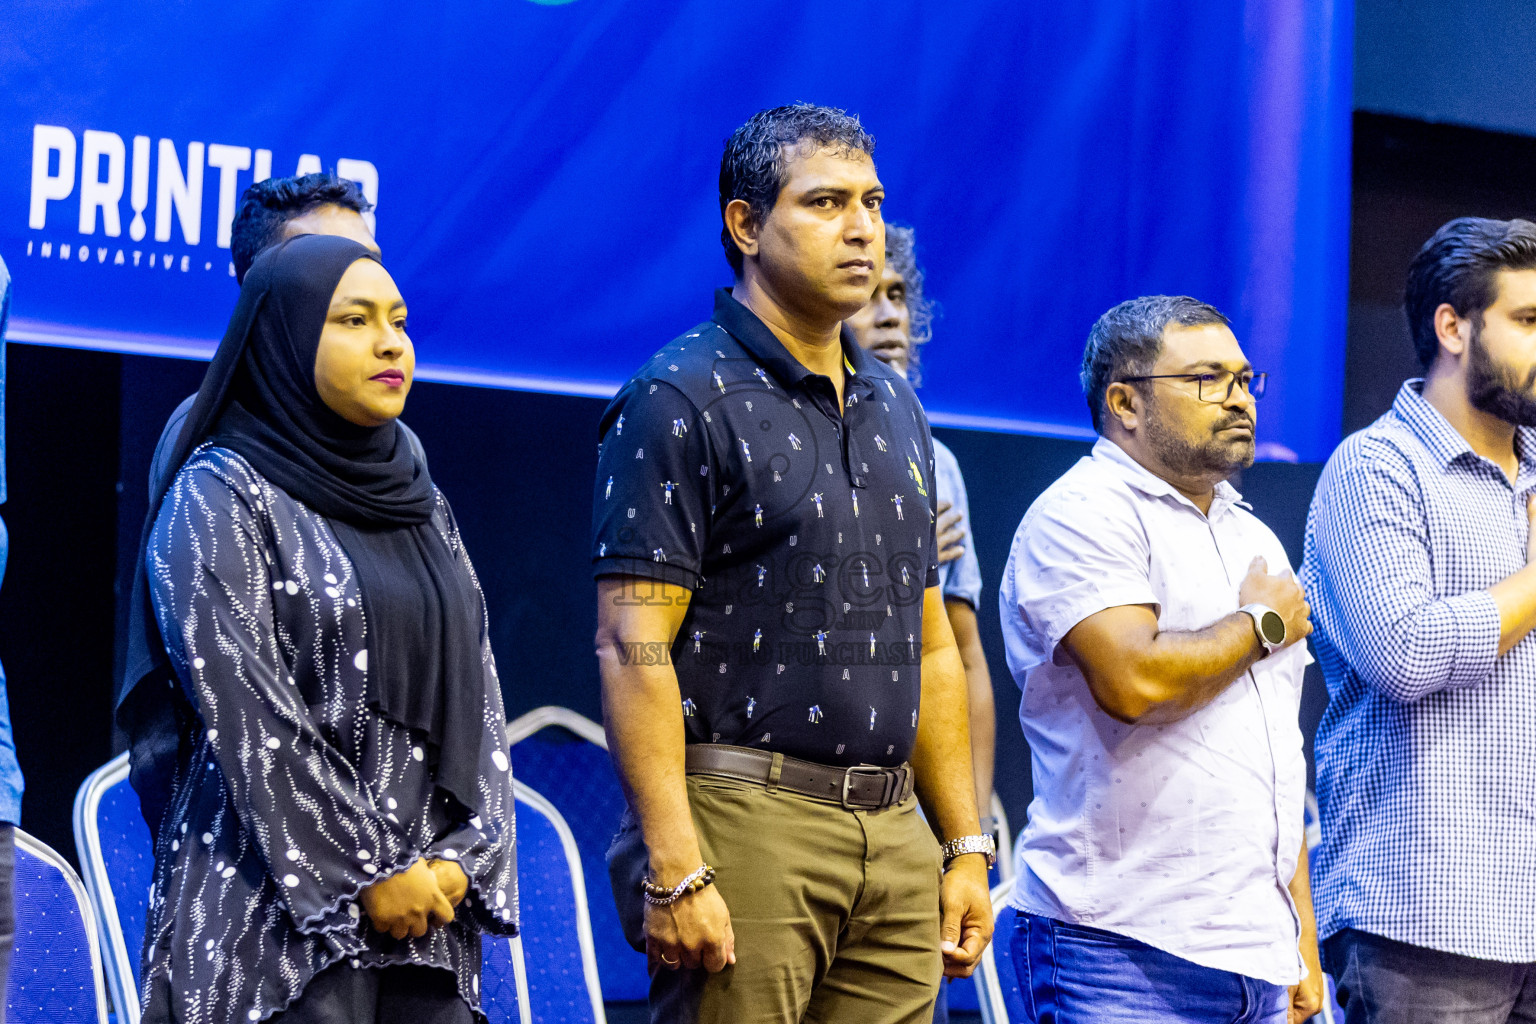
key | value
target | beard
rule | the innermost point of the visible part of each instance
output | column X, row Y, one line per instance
column 1497, row 390
column 1213, row 454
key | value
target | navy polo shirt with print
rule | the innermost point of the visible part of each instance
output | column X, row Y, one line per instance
column 806, row 537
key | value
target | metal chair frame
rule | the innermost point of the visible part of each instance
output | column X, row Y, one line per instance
column 1005, row 839
column 989, row 988
column 523, row 726
column 114, row 945
column 526, row 795
column 553, row 716
column 109, row 943
column 45, row 853
column 549, row 715
column 519, row 978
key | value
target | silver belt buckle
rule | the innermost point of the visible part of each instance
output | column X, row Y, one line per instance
column 867, row 771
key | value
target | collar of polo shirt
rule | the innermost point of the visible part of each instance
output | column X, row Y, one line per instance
column 756, row 338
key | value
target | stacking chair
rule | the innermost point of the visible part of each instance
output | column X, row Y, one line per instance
column 564, row 756
column 503, row 981
column 117, row 857
column 558, row 961
column 1003, row 870
column 56, row 975
column 997, row 985
column 1332, row 1013
column 962, row 996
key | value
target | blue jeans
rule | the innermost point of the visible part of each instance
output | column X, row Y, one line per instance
column 1069, row 974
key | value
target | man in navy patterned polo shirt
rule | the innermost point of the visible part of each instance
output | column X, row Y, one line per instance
column 1420, row 560
column 778, row 673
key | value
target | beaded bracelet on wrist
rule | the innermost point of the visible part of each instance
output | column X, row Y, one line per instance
column 661, row 896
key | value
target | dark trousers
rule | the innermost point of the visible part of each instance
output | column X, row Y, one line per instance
column 7, row 906
column 1381, row 981
column 342, row 994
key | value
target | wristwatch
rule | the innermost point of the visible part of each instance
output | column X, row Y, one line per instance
column 1268, row 626
column 970, row 844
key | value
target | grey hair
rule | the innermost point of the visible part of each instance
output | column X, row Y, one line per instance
column 1127, row 340
column 901, row 256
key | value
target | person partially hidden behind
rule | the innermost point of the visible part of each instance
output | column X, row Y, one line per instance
column 315, row 721
column 270, row 211
column 1421, row 551
column 780, row 684
column 891, row 327
column 1162, row 876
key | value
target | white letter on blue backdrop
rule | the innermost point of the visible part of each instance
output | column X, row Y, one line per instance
column 93, row 191
column 139, row 194
column 185, row 192
column 367, row 177
column 230, row 160
column 47, row 139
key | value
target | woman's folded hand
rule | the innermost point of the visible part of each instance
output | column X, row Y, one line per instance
column 407, row 902
column 451, row 879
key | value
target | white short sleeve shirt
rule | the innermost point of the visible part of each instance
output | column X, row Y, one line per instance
column 1183, row 836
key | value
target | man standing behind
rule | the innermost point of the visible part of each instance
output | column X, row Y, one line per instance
column 769, row 628
column 891, row 327
column 1421, row 557
column 271, row 210
column 1162, row 875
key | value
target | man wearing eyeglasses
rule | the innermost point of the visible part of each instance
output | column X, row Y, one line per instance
column 1162, row 875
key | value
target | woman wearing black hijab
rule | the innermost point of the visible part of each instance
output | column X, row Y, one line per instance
column 314, row 713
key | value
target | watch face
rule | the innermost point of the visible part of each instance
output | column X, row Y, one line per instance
column 1272, row 626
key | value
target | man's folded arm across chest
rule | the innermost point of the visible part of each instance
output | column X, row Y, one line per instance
column 1099, row 606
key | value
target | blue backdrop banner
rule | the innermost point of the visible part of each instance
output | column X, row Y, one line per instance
column 545, row 173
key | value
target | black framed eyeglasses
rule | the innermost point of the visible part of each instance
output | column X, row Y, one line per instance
column 1215, row 386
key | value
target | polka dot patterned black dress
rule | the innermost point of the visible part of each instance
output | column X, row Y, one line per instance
column 296, row 793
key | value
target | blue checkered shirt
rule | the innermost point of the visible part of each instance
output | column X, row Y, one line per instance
column 1426, row 756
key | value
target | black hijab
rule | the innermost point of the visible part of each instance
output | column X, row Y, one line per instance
column 259, row 399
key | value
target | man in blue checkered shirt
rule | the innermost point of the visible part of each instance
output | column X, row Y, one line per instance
column 1420, row 563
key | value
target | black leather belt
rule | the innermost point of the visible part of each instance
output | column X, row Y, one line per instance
column 863, row 787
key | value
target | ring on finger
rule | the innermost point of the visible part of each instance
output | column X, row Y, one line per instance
column 669, row 963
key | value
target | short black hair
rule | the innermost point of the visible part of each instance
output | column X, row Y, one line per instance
column 755, row 166
column 267, row 205
column 1127, row 340
column 1458, row 266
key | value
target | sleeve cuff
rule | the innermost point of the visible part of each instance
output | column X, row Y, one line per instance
column 645, row 569
column 490, row 895
column 1061, row 620
column 963, row 594
column 1477, row 637
column 314, row 912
